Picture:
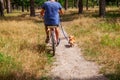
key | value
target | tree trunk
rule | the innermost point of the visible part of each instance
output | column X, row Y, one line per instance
column 66, row 4
column 32, row 9
column 80, row 6
column 73, row 4
column 1, row 8
column 93, row 3
column 4, row 3
column 76, row 3
column 8, row 6
column 17, row 7
column 28, row 9
column 102, row 9
column 118, row 3
column 12, row 5
column 22, row 6
column 86, row 4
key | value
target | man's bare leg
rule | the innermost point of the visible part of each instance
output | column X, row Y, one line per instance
column 57, row 34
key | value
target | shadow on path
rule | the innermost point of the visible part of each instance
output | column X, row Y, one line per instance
column 29, row 76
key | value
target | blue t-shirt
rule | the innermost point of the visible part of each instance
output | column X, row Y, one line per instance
column 51, row 16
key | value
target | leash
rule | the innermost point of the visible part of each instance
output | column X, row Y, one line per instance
column 65, row 35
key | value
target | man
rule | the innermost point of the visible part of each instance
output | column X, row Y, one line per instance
column 50, row 11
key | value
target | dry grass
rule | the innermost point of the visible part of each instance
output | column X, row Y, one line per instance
column 22, row 38
column 99, row 38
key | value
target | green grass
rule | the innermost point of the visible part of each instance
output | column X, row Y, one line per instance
column 8, row 65
column 2, row 42
column 106, row 40
column 109, row 27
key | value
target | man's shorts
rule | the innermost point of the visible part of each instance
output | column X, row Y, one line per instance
column 51, row 25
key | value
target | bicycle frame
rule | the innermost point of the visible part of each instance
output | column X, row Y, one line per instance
column 52, row 38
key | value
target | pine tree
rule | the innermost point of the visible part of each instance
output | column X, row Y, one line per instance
column 80, row 6
column 66, row 4
column 32, row 9
column 102, row 9
column 1, row 8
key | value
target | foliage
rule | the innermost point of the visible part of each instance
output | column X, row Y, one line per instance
column 40, row 2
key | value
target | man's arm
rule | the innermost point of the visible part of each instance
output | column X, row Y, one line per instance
column 42, row 12
column 61, row 11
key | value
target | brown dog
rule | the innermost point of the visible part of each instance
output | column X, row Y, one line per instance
column 71, row 40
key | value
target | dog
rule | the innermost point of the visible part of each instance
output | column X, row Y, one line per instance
column 71, row 40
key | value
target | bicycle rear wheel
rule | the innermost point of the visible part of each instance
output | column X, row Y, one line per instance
column 53, row 42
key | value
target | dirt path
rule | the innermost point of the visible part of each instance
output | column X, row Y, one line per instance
column 70, row 64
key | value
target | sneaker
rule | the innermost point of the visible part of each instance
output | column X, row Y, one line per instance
column 58, row 42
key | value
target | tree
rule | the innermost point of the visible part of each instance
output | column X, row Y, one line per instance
column 27, row 3
column 22, row 6
column 80, row 6
column 86, row 4
column 8, row 6
column 1, row 8
column 102, row 9
column 32, row 9
column 66, row 4
column 76, row 3
column 118, row 3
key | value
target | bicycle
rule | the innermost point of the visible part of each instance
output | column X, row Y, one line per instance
column 52, row 37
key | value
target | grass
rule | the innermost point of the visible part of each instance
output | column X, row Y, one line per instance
column 108, row 41
column 23, row 52
column 98, row 37
column 23, row 55
column 8, row 64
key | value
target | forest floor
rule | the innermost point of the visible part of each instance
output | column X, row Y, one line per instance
column 71, row 65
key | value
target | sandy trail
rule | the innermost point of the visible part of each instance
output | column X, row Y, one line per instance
column 71, row 65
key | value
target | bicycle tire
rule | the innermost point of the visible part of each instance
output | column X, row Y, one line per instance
column 53, row 42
